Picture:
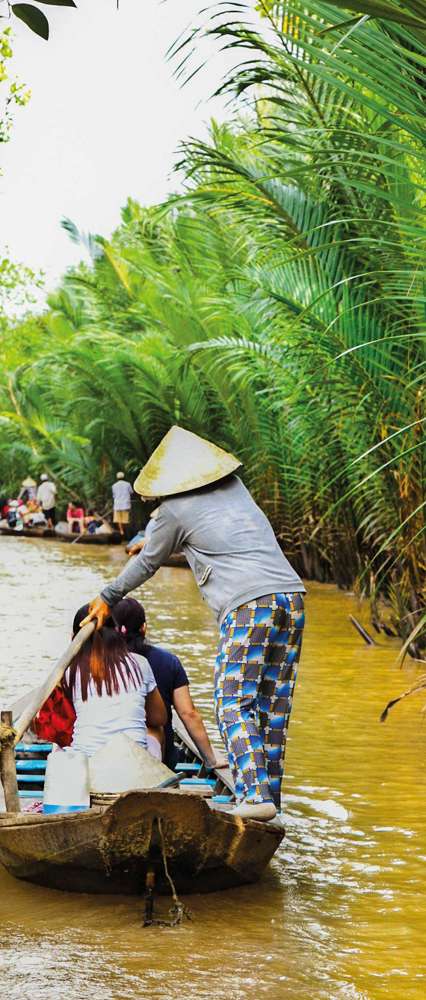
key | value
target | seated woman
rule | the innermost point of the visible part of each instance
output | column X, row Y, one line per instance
column 37, row 516
column 92, row 521
column 33, row 514
column 173, row 684
column 75, row 517
column 106, row 690
column 13, row 517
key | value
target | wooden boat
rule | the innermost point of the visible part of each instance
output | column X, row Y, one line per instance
column 116, row 846
column 29, row 532
column 64, row 535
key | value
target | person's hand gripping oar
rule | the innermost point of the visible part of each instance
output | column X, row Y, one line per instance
column 99, row 611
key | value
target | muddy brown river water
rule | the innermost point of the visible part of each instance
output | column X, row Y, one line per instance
column 340, row 913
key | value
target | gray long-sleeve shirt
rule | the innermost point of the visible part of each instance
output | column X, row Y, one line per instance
column 228, row 542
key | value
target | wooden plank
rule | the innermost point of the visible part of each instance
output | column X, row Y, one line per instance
column 204, row 791
column 32, row 766
column 8, row 770
column 33, row 747
column 31, row 779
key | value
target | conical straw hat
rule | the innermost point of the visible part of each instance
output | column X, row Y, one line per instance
column 183, row 461
column 121, row 765
column 29, row 482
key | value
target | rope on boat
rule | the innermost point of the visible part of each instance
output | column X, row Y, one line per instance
column 178, row 911
column 7, row 735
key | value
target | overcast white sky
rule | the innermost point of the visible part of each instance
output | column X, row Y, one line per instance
column 104, row 122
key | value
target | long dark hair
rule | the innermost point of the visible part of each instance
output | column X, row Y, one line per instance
column 129, row 616
column 104, row 660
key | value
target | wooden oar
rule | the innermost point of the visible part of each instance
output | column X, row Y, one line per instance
column 80, row 534
column 26, row 708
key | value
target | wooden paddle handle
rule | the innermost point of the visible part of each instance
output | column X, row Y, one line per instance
column 36, row 698
column 8, row 768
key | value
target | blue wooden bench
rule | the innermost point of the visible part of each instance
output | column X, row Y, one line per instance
column 199, row 781
column 33, row 747
column 30, row 765
column 30, row 771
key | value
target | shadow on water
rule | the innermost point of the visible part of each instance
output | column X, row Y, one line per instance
column 341, row 911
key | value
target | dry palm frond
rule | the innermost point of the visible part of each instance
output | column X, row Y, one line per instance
column 419, row 686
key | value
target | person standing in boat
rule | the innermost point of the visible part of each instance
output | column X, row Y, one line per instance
column 46, row 497
column 172, row 681
column 257, row 597
column 122, row 500
column 28, row 491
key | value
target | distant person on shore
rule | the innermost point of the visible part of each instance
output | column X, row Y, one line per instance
column 172, row 682
column 257, row 597
column 46, row 496
column 122, row 500
column 75, row 517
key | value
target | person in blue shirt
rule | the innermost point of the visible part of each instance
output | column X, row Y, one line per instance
column 172, row 682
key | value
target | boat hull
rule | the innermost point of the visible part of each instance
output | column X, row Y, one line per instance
column 110, row 850
column 114, row 538
column 29, row 532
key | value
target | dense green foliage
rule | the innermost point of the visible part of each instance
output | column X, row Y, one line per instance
column 12, row 93
column 16, row 281
column 277, row 306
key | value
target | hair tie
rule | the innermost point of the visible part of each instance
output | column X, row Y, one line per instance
column 123, row 630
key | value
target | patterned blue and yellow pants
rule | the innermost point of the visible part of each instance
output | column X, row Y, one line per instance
column 255, row 675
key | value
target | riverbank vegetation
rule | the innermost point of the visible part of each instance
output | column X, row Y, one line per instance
column 16, row 281
column 277, row 306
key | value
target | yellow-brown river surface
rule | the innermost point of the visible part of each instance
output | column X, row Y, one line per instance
column 341, row 912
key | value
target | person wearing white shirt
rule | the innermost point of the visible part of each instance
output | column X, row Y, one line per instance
column 122, row 499
column 112, row 691
column 46, row 496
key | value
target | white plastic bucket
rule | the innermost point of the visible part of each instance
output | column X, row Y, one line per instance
column 66, row 787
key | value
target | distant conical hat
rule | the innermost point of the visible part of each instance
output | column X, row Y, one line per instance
column 29, row 482
column 183, row 461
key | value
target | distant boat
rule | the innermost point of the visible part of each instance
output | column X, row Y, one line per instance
column 63, row 533
column 40, row 532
